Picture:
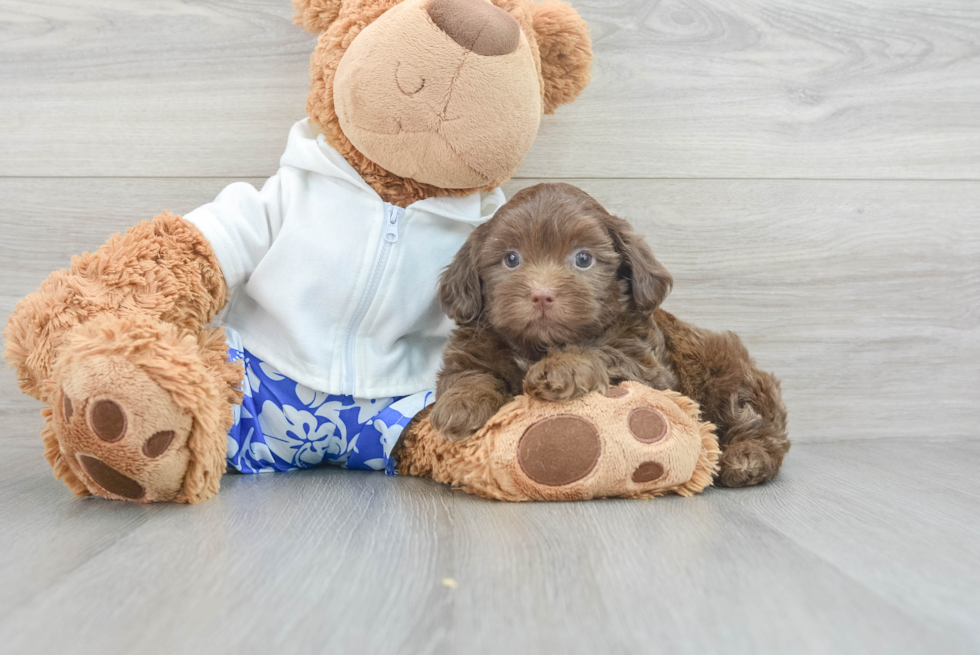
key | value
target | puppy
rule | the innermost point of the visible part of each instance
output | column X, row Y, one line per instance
column 554, row 297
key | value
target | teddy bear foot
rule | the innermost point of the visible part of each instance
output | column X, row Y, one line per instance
column 115, row 422
column 120, row 433
column 632, row 442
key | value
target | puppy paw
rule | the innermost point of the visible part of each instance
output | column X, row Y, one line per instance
column 457, row 414
column 746, row 464
column 564, row 377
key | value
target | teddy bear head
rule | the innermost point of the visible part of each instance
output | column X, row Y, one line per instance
column 440, row 97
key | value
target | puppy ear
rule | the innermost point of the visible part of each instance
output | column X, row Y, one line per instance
column 566, row 52
column 316, row 15
column 648, row 278
column 460, row 289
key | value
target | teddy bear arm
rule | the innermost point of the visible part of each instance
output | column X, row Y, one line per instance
column 163, row 268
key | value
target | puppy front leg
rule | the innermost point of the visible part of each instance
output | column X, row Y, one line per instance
column 567, row 374
column 465, row 402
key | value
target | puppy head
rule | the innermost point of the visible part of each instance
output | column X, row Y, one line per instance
column 551, row 268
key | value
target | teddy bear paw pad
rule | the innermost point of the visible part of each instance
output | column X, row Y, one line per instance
column 559, row 450
column 120, row 432
column 647, row 425
column 110, row 479
column 648, row 472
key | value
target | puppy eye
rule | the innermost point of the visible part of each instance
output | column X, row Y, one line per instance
column 512, row 259
column 584, row 260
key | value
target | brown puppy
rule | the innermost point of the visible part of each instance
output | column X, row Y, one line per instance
column 555, row 298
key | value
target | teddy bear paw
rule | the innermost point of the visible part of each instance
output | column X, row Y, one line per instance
column 632, row 441
column 120, row 432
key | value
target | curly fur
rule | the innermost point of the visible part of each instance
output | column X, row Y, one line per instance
column 145, row 296
column 565, row 52
column 163, row 268
column 315, row 15
column 603, row 327
column 598, row 330
column 745, row 402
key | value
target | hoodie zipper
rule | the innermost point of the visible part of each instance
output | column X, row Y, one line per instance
column 389, row 236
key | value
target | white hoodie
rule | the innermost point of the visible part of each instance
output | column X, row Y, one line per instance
column 330, row 285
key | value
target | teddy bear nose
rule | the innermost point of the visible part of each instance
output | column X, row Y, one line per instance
column 477, row 25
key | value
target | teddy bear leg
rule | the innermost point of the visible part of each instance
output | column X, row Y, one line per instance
column 415, row 454
column 140, row 411
column 632, row 441
column 422, row 452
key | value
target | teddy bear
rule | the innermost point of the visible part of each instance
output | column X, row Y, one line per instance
column 297, row 324
column 417, row 111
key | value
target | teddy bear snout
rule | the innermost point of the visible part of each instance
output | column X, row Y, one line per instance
column 478, row 26
column 416, row 93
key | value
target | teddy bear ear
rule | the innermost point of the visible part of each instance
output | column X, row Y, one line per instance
column 566, row 52
column 316, row 15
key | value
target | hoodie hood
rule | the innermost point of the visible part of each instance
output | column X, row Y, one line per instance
column 307, row 149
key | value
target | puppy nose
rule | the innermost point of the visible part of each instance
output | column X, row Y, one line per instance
column 542, row 298
column 478, row 26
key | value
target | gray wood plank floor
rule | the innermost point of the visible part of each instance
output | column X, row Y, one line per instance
column 858, row 547
column 808, row 171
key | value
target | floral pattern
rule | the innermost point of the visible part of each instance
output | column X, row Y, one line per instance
column 282, row 425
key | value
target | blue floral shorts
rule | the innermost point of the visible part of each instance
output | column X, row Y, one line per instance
column 282, row 425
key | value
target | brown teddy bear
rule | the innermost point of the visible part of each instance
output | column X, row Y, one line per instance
column 332, row 335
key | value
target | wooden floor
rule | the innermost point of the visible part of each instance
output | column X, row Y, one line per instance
column 859, row 547
column 808, row 170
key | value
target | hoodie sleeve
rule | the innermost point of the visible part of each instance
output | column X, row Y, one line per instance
column 241, row 225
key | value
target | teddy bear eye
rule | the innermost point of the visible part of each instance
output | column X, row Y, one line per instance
column 584, row 260
column 512, row 259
